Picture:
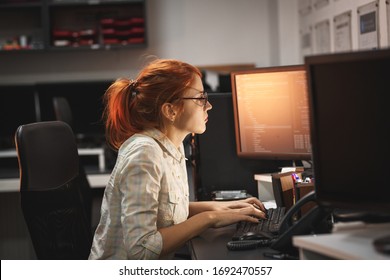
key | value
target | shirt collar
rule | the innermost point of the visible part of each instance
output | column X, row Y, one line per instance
column 167, row 144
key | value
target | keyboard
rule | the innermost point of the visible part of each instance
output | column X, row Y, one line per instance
column 268, row 227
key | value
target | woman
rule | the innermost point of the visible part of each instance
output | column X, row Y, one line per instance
column 146, row 213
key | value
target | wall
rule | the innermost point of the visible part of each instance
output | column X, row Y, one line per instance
column 201, row 32
column 288, row 30
column 308, row 21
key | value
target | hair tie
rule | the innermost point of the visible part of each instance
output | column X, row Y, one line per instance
column 133, row 85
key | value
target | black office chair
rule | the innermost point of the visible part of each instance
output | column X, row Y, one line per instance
column 51, row 191
column 62, row 110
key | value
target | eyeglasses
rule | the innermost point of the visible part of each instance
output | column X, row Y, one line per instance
column 201, row 101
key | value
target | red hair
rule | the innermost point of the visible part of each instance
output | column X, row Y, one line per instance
column 133, row 106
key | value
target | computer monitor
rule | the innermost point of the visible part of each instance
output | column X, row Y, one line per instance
column 18, row 105
column 271, row 113
column 218, row 166
column 349, row 97
column 86, row 102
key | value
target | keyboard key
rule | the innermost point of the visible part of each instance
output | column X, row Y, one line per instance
column 270, row 225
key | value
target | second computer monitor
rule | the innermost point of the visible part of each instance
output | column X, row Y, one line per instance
column 350, row 123
column 271, row 113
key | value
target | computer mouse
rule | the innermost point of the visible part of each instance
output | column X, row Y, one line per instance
column 251, row 235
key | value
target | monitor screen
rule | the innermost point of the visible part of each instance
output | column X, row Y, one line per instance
column 271, row 113
column 349, row 97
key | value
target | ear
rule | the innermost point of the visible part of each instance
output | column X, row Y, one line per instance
column 169, row 111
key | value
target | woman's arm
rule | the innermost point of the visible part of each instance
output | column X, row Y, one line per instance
column 175, row 236
column 201, row 206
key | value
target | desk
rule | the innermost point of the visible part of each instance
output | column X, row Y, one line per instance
column 95, row 181
column 97, row 151
column 349, row 241
column 211, row 245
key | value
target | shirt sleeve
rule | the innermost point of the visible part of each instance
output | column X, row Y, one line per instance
column 140, row 186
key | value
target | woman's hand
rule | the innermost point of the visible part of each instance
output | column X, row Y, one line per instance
column 235, row 204
column 229, row 216
column 228, row 212
column 247, row 206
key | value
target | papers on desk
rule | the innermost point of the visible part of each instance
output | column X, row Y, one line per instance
column 269, row 204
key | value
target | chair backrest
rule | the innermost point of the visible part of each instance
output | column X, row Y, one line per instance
column 51, row 191
column 62, row 110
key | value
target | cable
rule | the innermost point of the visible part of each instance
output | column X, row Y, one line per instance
column 248, row 244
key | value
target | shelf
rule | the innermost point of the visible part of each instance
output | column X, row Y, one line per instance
column 72, row 25
column 24, row 34
column 20, row 3
column 91, row 2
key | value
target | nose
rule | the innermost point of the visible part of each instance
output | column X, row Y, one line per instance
column 208, row 106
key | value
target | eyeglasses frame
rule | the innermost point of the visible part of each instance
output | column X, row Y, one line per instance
column 205, row 98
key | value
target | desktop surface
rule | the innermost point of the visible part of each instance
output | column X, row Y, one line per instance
column 348, row 241
column 211, row 245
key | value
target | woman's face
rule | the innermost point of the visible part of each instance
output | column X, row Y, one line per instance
column 194, row 116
